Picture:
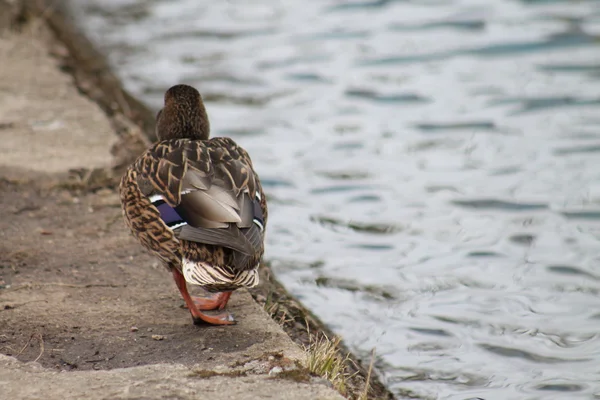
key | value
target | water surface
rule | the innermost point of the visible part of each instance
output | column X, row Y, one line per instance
column 432, row 167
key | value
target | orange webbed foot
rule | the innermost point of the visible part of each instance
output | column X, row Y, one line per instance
column 223, row 318
column 198, row 304
column 212, row 301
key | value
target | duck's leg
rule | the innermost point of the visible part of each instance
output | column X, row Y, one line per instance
column 224, row 299
column 223, row 318
column 211, row 301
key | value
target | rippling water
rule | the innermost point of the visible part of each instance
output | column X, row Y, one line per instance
column 432, row 169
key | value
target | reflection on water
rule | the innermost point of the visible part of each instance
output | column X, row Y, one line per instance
column 433, row 170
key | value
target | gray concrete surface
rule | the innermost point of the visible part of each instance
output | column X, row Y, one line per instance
column 159, row 381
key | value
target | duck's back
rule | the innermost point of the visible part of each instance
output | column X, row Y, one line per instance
column 199, row 206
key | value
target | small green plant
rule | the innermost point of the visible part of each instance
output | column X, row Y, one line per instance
column 324, row 356
column 324, row 359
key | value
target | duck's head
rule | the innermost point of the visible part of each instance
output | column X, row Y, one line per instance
column 183, row 116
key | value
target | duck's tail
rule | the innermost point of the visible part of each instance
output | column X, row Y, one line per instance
column 217, row 278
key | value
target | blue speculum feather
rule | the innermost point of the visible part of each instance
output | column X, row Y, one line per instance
column 168, row 214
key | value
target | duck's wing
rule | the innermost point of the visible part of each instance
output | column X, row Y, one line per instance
column 209, row 192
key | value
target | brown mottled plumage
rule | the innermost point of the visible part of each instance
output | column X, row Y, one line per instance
column 197, row 204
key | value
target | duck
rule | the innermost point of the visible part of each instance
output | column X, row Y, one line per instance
column 197, row 204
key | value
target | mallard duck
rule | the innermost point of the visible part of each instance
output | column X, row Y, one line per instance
column 198, row 205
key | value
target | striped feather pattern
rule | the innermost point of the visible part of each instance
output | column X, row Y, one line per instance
column 217, row 278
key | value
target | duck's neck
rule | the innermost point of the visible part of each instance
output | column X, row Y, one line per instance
column 181, row 126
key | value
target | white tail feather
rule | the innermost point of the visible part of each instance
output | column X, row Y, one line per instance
column 205, row 274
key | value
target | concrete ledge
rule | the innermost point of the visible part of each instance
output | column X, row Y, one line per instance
column 159, row 381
